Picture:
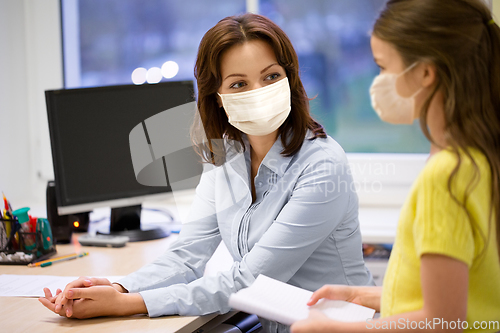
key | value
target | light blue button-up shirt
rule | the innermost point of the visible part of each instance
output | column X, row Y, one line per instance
column 302, row 229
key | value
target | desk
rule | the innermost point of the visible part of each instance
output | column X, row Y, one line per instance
column 29, row 315
column 378, row 225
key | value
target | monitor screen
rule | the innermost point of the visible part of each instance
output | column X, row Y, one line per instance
column 90, row 129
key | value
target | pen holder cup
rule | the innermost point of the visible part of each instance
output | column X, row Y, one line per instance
column 15, row 241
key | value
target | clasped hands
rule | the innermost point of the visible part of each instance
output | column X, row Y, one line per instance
column 87, row 298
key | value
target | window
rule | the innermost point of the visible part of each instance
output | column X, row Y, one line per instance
column 104, row 42
column 333, row 44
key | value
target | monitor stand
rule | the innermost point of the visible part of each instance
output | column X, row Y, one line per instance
column 126, row 221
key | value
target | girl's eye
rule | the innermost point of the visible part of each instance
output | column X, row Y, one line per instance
column 273, row 76
column 237, row 85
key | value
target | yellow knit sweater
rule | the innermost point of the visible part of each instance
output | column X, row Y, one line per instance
column 432, row 222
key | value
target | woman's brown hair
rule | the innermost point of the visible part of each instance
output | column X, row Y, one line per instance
column 461, row 39
column 235, row 30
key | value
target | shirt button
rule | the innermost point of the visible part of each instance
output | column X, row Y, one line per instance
column 259, row 184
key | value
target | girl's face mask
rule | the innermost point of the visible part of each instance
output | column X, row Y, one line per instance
column 389, row 105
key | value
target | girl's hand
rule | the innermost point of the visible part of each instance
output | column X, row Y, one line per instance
column 366, row 296
column 316, row 322
column 95, row 301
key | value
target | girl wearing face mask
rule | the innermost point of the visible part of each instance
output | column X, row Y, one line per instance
column 276, row 189
column 440, row 63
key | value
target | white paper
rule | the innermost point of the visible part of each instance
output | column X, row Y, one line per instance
column 32, row 285
column 287, row 304
column 343, row 311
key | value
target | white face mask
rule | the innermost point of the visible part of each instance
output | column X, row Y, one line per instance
column 260, row 111
column 389, row 105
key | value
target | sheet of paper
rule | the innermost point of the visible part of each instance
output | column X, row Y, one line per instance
column 282, row 302
column 280, row 296
column 343, row 311
column 32, row 285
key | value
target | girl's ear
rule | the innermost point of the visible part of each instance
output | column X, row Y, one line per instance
column 429, row 74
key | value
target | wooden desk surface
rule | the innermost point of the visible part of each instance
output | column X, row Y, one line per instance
column 28, row 315
column 19, row 314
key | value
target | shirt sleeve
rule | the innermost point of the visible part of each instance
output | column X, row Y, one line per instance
column 317, row 206
column 186, row 259
column 442, row 225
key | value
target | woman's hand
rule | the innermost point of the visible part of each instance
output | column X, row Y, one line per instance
column 366, row 296
column 98, row 301
column 82, row 282
column 60, row 301
column 48, row 295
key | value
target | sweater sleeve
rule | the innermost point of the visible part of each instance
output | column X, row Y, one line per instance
column 442, row 225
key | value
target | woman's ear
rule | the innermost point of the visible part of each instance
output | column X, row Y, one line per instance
column 219, row 103
column 429, row 74
column 219, row 100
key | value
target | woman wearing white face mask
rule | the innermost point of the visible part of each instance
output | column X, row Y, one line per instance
column 277, row 190
column 440, row 63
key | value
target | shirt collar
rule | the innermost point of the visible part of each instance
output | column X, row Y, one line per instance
column 273, row 160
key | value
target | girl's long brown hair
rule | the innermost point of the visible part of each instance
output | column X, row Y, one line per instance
column 460, row 38
column 232, row 31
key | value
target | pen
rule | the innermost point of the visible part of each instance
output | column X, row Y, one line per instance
column 7, row 223
column 49, row 262
column 4, row 232
column 7, row 205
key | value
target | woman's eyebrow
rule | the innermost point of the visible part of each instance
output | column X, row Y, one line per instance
column 234, row 75
column 244, row 75
column 265, row 69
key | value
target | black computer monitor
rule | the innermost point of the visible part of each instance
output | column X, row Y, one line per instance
column 90, row 132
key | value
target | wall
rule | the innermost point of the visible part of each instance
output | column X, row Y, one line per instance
column 496, row 10
column 30, row 58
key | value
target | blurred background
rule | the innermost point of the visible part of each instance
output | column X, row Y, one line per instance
column 54, row 44
column 126, row 41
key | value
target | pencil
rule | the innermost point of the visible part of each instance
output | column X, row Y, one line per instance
column 49, row 262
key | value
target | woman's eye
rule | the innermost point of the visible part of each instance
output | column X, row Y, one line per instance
column 273, row 76
column 237, row 85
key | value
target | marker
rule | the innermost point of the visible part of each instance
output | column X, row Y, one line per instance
column 49, row 262
column 25, row 225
